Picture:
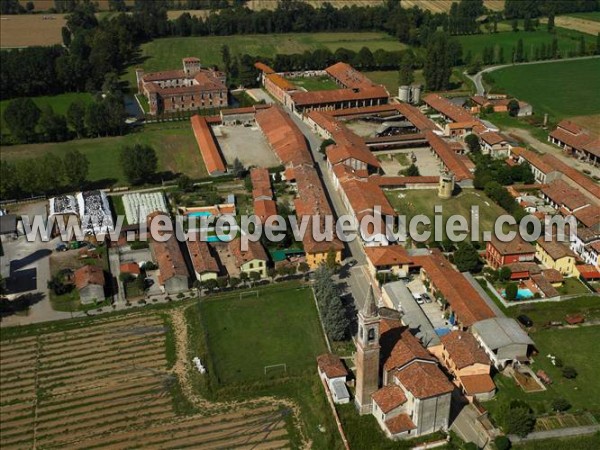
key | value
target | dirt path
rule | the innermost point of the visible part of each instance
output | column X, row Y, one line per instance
column 182, row 367
column 528, row 138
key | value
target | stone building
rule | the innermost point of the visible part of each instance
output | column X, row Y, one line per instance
column 189, row 89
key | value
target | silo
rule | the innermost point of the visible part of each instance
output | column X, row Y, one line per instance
column 404, row 94
column 446, row 186
column 415, row 94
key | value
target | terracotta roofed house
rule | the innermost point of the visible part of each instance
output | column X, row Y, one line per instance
column 205, row 264
column 498, row 253
column 215, row 165
column 388, row 258
column 173, row 271
column 254, row 259
column 89, row 281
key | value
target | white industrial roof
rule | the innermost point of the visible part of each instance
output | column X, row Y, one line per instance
column 500, row 332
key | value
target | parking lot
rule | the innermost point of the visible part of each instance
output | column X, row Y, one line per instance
column 431, row 309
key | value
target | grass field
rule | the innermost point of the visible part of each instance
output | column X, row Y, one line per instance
column 574, row 346
column 279, row 327
column 507, row 40
column 593, row 16
column 389, row 78
column 415, row 202
column 589, row 25
column 561, row 89
column 109, row 383
column 315, row 83
column 542, row 313
column 162, row 54
column 174, row 143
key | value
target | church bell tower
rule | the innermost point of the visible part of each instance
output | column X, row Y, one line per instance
column 367, row 355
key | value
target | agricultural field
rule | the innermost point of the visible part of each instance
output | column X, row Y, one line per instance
column 414, row 202
column 315, row 83
column 437, row 6
column 568, row 41
column 561, row 89
column 174, row 143
column 567, row 443
column 16, row 30
column 280, row 329
column 585, row 22
column 111, row 383
column 162, row 54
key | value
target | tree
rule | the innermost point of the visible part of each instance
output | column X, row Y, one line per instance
column 238, row 168
column 53, row 126
column 411, row 171
column 185, row 183
column 550, row 25
column 511, row 291
column 406, row 74
column 76, row 118
column 515, row 25
column 472, row 142
column 504, row 273
column 519, row 52
column 139, row 163
column 517, row 419
column 364, row 59
column 502, row 443
column 326, row 143
column 226, row 58
column 303, row 267
column 581, row 46
column 22, row 116
column 560, row 404
column 569, row 372
column 466, row 257
column 331, row 261
column 437, row 69
column 66, row 36
column 513, row 108
column 335, row 320
column 76, row 166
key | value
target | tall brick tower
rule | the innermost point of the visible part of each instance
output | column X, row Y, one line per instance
column 367, row 355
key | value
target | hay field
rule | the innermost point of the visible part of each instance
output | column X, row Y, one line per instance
column 444, row 5
column 111, row 384
column 31, row 29
column 576, row 23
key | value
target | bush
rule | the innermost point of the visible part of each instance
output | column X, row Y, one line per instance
column 180, row 295
column 558, row 362
column 560, row 404
column 569, row 372
column 502, row 443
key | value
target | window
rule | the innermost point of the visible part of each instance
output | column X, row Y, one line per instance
column 371, row 335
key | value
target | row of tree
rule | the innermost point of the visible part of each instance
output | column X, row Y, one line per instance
column 48, row 174
column 332, row 310
column 104, row 116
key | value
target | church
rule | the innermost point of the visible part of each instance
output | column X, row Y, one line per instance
column 397, row 379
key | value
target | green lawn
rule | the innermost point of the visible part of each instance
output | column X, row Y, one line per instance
column 59, row 103
column 244, row 335
column 572, row 286
column 389, row 78
column 576, row 347
column 568, row 41
column 543, row 312
column 561, row 89
column 572, row 443
column 174, row 143
column 315, row 83
column 162, row 54
column 423, row 201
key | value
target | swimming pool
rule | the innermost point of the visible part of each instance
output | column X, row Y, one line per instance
column 200, row 214
column 219, row 238
column 522, row 294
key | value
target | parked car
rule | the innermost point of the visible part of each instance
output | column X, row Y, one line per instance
column 418, row 298
column 426, row 297
column 62, row 248
column 525, row 320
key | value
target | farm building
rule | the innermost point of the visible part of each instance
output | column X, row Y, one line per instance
column 576, row 140
column 211, row 155
column 94, row 212
column 333, row 372
column 468, row 363
column 89, row 281
column 503, row 340
column 188, row 89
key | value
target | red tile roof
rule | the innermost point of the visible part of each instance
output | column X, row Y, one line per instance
column 518, row 246
column 331, row 365
column 400, row 347
column 424, row 380
column 464, row 300
column 463, row 349
column 450, row 159
column 340, row 153
column 400, row 424
column 86, row 275
column 365, row 196
column 563, row 194
column 555, row 250
column 281, row 82
column 169, row 258
column 263, row 68
column 255, row 251
column 574, row 175
column 477, row 384
column 569, row 126
column 535, row 159
column 388, row 255
column 208, row 147
column 588, row 272
column 493, row 138
column 265, row 209
column 132, row 268
column 202, row 259
column 339, row 95
column 389, row 397
column 448, row 109
column 348, row 75
column 283, row 135
column 403, row 181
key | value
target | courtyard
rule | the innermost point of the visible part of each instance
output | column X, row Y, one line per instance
column 248, row 144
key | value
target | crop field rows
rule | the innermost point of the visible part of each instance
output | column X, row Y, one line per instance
column 108, row 386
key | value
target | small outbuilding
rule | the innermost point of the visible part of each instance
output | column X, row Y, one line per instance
column 89, row 281
column 334, row 373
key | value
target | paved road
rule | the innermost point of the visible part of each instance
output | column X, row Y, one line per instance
column 358, row 280
column 477, row 78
